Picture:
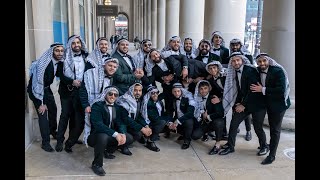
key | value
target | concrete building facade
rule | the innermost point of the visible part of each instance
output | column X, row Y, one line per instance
column 48, row 21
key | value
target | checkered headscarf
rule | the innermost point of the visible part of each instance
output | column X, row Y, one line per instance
column 37, row 70
column 198, row 98
column 144, row 106
column 193, row 48
column 150, row 64
column 138, row 59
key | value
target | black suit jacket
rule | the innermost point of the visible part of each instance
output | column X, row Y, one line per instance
column 186, row 109
column 275, row 90
column 224, row 54
column 158, row 73
column 214, row 110
column 250, row 100
column 216, row 89
column 47, row 80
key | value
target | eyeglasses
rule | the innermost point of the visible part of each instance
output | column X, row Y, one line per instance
column 153, row 93
column 113, row 94
column 147, row 45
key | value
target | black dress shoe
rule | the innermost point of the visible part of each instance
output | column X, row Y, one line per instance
column 125, row 150
column 59, row 146
column 68, row 149
column 248, row 136
column 268, row 160
column 226, row 151
column 167, row 134
column 47, row 147
column 152, row 146
column 108, row 155
column 214, row 150
column 185, row 145
column 212, row 134
column 98, row 170
column 142, row 140
column 263, row 151
column 205, row 138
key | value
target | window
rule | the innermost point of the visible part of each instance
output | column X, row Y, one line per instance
column 60, row 21
column 82, row 14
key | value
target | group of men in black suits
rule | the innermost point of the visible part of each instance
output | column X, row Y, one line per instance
column 124, row 105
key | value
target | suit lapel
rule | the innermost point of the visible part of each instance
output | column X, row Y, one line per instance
column 124, row 61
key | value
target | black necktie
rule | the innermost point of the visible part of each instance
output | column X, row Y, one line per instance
column 216, row 49
column 105, row 55
column 138, row 107
column 75, row 55
column 237, row 80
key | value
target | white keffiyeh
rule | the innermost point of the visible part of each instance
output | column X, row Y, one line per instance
column 167, row 50
column 37, row 70
column 150, row 64
column 243, row 49
column 144, row 106
column 198, row 98
column 87, row 125
column 186, row 94
column 68, row 65
column 128, row 101
column 273, row 62
column 138, row 59
column 216, row 33
column 193, row 49
column 230, row 88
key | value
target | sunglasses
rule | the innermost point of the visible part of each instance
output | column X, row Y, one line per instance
column 204, row 46
column 153, row 93
column 147, row 45
column 113, row 94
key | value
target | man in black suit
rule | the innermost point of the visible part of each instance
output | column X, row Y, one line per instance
column 184, row 106
column 107, row 129
column 218, row 47
column 42, row 75
column 127, row 74
column 130, row 105
column 275, row 89
column 237, row 46
column 189, row 48
column 153, row 115
column 209, row 114
column 71, row 77
column 204, row 52
column 238, row 96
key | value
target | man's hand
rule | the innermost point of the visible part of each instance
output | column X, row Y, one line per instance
column 215, row 99
column 184, row 73
column 256, row 88
column 76, row 83
column 146, row 131
column 121, row 138
column 88, row 109
column 205, row 115
column 138, row 73
column 239, row 108
column 42, row 109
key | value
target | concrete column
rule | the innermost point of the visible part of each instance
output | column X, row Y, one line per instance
column 227, row 17
column 88, row 22
column 191, row 25
column 149, row 19
column 154, row 23
column 76, row 17
column 135, row 19
column 145, row 19
column 278, row 35
column 141, row 20
column 172, row 18
column 161, row 23
column 42, row 21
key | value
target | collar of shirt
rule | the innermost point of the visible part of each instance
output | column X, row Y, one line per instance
column 55, row 62
column 121, row 54
column 266, row 71
column 206, row 54
column 179, row 98
column 241, row 69
column 206, row 96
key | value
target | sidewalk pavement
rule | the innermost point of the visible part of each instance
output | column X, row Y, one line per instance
column 171, row 162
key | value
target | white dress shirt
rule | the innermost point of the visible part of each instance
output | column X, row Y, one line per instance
column 79, row 67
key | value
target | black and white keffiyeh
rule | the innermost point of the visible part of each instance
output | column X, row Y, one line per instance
column 243, row 49
column 230, row 88
column 199, row 102
column 68, row 65
column 186, row 94
column 216, row 33
column 114, row 50
column 167, row 50
column 128, row 101
column 138, row 59
column 37, row 70
column 144, row 106
column 273, row 62
column 150, row 64
column 193, row 49
column 101, row 97
column 222, row 70
column 197, row 52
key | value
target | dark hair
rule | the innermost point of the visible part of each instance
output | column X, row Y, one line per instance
column 56, row 44
column 151, row 50
column 101, row 38
column 203, row 83
column 262, row 54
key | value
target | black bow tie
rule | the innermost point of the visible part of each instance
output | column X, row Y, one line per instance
column 205, row 56
column 177, row 99
column 125, row 55
column 105, row 55
column 204, row 98
column 262, row 72
column 106, row 76
column 75, row 55
column 110, row 105
column 238, row 71
column 216, row 49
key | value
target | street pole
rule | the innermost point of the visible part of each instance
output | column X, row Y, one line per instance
column 258, row 31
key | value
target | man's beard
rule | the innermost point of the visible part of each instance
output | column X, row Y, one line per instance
column 204, row 52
